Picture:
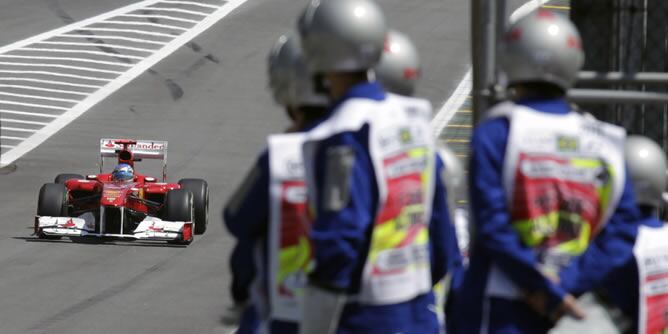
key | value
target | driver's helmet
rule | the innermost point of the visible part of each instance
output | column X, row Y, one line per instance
column 123, row 172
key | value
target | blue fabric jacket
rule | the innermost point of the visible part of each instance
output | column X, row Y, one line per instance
column 341, row 238
column 495, row 241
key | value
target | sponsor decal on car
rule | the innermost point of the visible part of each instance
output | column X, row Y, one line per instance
column 142, row 145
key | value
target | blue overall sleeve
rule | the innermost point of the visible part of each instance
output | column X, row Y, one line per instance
column 494, row 233
column 445, row 255
column 609, row 250
column 247, row 211
column 243, row 271
column 341, row 237
column 246, row 217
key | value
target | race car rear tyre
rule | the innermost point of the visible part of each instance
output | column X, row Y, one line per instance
column 200, row 190
column 179, row 207
column 62, row 178
column 52, row 202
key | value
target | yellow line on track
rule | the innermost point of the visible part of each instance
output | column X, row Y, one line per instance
column 556, row 7
column 467, row 126
column 456, row 140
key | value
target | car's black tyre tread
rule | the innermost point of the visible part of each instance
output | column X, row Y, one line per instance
column 52, row 202
column 200, row 190
column 179, row 207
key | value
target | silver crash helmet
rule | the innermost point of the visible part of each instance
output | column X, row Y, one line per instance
column 399, row 67
column 646, row 163
column 289, row 78
column 342, row 35
column 542, row 47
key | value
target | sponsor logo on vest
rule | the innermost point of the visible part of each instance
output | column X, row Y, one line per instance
column 567, row 144
column 295, row 168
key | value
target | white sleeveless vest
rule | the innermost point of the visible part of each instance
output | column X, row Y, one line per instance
column 289, row 225
column 651, row 253
column 401, row 148
column 563, row 177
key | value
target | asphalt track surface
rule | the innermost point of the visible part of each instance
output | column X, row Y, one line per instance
column 209, row 100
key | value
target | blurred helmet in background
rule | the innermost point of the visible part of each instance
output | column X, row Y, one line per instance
column 289, row 78
column 646, row 163
column 542, row 47
column 399, row 67
column 342, row 35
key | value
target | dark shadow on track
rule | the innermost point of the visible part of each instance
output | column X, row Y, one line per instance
column 96, row 241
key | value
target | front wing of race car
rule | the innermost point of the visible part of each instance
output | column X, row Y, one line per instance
column 151, row 228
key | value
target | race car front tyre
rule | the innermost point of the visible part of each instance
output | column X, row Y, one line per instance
column 200, row 190
column 52, row 202
column 62, row 178
column 179, row 207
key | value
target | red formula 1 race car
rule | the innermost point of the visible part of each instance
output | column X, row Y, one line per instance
column 138, row 207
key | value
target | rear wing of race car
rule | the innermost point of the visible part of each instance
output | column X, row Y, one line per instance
column 139, row 149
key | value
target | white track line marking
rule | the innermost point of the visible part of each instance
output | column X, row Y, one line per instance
column 13, row 138
column 56, row 74
column 7, row 146
column 60, row 91
column 7, row 128
column 148, row 24
column 72, row 59
column 131, row 31
column 177, row 10
column 39, row 97
column 25, row 113
column 99, row 53
column 455, row 101
column 164, row 17
column 51, row 82
column 77, row 110
column 452, row 104
column 99, row 45
column 35, row 105
column 11, row 120
column 74, row 26
column 191, row 3
column 79, row 68
column 120, row 38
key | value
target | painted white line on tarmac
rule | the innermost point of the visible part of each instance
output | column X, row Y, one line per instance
column 77, row 110
column 20, row 121
column 9, row 128
column 191, row 3
column 163, row 17
column 55, row 74
column 456, row 100
column 99, row 53
column 112, row 46
column 120, row 38
column 52, row 82
column 59, row 91
column 452, row 104
column 25, row 113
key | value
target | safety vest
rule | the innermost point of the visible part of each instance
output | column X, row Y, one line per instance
column 401, row 148
column 289, row 245
column 563, row 177
column 651, row 253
